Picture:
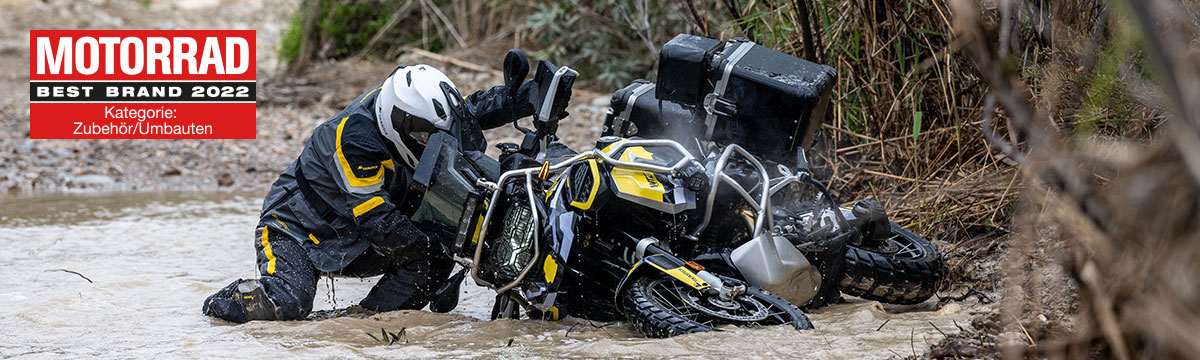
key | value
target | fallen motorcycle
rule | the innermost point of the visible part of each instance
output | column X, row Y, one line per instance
column 587, row 234
column 711, row 94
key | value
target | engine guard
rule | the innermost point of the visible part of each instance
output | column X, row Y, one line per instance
column 774, row 264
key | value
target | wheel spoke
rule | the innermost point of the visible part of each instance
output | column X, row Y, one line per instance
column 903, row 246
column 678, row 307
column 691, row 304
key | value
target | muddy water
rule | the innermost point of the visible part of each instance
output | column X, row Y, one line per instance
column 153, row 257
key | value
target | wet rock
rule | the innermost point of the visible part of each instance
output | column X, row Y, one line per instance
column 951, row 308
column 224, row 179
column 989, row 322
column 94, row 180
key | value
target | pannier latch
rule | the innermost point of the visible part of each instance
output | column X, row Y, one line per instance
column 718, row 106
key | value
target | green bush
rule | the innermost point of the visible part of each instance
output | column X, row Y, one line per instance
column 336, row 29
column 289, row 47
column 610, row 42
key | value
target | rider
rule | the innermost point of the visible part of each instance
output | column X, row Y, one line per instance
column 336, row 209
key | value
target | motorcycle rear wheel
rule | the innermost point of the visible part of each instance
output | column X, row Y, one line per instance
column 659, row 306
column 904, row 269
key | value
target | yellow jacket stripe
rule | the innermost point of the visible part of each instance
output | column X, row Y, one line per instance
column 267, row 251
column 351, row 179
column 367, row 206
column 364, row 98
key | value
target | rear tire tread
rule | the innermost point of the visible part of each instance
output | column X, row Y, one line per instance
column 882, row 278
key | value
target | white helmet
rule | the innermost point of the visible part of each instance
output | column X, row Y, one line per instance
column 416, row 99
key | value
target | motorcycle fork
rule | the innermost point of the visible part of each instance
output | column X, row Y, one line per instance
column 507, row 306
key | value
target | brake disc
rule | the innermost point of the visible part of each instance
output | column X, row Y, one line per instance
column 737, row 310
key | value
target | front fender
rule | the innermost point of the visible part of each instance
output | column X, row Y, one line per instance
column 666, row 264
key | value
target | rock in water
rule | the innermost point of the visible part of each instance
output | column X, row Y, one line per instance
column 94, row 180
column 224, row 179
column 951, row 308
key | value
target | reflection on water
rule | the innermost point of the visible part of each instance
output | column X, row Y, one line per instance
column 153, row 257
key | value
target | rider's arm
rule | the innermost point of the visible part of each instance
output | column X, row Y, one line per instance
column 362, row 163
column 493, row 109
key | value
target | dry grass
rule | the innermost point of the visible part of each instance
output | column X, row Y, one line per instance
column 1126, row 215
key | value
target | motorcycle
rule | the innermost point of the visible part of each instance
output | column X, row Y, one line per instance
column 710, row 94
column 587, row 234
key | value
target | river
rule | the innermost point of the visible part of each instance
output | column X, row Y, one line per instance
column 123, row 275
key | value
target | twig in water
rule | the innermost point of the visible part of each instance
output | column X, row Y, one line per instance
column 568, row 334
column 509, row 343
column 983, row 298
column 936, row 328
column 960, row 328
column 885, row 321
column 912, row 335
column 373, row 336
column 76, row 273
column 601, row 327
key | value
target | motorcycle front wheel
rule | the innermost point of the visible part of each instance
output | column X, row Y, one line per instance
column 904, row 269
column 660, row 306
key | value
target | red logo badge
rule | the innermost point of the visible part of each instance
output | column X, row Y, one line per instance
column 141, row 84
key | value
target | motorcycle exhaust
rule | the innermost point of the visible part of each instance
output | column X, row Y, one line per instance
column 774, row 264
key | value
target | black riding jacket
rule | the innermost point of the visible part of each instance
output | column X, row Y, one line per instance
column 335, row 200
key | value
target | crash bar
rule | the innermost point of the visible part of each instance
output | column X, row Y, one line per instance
column 762, row 207
column 528, row 173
